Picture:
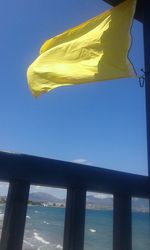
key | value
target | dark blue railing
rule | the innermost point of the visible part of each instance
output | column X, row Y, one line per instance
column 23, row 170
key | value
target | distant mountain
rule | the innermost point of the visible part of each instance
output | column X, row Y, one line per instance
column 99, row 201
column 138, row 204
column 43, row 197
column 92, row 201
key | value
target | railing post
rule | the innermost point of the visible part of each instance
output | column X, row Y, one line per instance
column 122, row 236
column 15, row 215
column 74, row 220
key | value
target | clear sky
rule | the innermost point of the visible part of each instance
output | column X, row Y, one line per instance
column 102, row 124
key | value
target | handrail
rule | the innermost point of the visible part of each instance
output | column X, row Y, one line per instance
column 23, row 170
column 43, row 171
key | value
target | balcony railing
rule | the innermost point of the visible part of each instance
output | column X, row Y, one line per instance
column 23, row 170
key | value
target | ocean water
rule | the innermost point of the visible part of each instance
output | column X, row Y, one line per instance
column 45, row 226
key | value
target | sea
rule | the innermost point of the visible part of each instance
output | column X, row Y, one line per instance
column 45, row 225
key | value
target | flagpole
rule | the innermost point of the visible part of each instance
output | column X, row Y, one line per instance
column 146, row 31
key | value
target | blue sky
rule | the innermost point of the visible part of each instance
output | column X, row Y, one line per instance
column 102, row 124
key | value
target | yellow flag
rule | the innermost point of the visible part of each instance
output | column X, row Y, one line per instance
column 96, row 50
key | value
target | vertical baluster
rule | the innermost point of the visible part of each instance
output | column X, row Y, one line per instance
column 122, row 237
column 75, row 220
column 15, row 215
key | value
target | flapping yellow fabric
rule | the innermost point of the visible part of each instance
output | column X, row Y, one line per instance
column 96, row 50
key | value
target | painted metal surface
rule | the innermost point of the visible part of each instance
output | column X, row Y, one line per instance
column 42, row 171
column 15, row 215
column 122, row 235
column 75, row 220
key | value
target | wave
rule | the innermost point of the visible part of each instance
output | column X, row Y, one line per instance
column 45, row 222
column 1, row 216
column 28, row 243
column 28, row 217
column 36, row 211
column 59, row 246
column 92, row 230
column 39, row 238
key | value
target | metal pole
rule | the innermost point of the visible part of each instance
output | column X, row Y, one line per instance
column 146, row 31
